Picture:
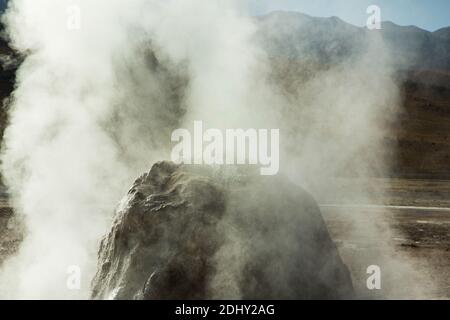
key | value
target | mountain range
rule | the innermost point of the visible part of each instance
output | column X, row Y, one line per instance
column 301, row 46
column 422, row 61
column 330, row 40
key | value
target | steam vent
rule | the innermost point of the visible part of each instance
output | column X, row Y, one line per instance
column 186, row 232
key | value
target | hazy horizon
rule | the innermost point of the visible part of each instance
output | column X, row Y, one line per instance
column 427, row 15
column 359, row 26
column 355, row 14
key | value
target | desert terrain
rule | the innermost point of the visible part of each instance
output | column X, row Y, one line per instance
column 414, row 196
column 421, row 232
column 419, row 214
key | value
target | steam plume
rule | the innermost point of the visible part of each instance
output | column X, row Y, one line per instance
column 94, row 108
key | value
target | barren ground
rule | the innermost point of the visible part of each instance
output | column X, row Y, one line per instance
column 421, row 235
column 419, row 213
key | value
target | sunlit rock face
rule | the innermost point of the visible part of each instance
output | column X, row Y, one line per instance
column 185, row 232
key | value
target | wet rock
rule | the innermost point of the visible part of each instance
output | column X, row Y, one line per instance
column 186, row 232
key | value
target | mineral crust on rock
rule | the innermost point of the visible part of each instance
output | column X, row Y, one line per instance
column 185, row 232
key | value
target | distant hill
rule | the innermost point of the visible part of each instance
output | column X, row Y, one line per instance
column 3, row 5
column 329, row 40
column 295, row 40
column 295, row 35
column 443, row 33
column 300, row 46
column 7, row 71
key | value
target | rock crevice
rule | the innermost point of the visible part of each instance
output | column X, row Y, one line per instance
column 187, row 232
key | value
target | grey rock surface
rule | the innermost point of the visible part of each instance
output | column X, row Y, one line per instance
column 197, row 233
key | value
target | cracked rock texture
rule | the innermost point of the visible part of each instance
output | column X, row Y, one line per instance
column 185, row 232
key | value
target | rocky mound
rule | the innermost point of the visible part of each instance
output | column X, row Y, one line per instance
column 194, row 233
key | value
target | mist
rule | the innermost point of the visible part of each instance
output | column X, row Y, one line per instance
column 95, row 106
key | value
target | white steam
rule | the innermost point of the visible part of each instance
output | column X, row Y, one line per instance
column 94, row 108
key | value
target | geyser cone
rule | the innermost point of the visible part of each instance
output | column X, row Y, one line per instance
column 193, row 233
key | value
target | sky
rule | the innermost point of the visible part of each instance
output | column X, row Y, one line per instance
column 426, row 14
column 430, row 15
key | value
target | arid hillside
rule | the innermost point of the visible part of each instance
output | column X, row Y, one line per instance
column 7, row 78
column 422, row 134
column 418, row 144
